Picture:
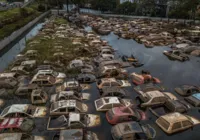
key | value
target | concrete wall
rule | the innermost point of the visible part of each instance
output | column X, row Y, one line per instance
column 20, row 31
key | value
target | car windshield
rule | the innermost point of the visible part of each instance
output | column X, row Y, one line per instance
column 31, row 110
column 120, row 82
column 79, row 105
column 99, row 103
column 54, row 106
column 5, row 111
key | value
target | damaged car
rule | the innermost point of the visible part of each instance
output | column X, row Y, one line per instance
column 69, row 85
column 24, row 110
column 113, row 91
column 176, row 122
column 86, row 78
column 194, row 99
column 133, row 131
column 107, row 103
column 177, row 55
column 16, row 125
column 66, row 106
column 187, row 90
column 20, row 136
column 124, row 114
column 73, row 121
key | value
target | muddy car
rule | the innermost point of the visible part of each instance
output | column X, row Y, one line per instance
column 170, row 106
column 64, row 107
column 111, row 82
column 57, row 75
column 31, row 53
column 194, row 99
column 176, row 122
column 23, row 110
column 177, row 55
column 20, row 136
column 69, row 85
column 69, row 95
column 113, row 91
column 86, row 78
column 143, row 78
column 111, row 71
column 99, row 59
column 42, row 80
column 133, row 131
column 187, row 90
column 73, row 121
column 79, row 64
column 16, row 125
column 26, row 90
column 111, row 62
column 29, row 64
column 20, row 70
column 45, row 67
column 107, row 103
column 8, row 83
column 72, row 134
column 141, row 89
column 156, row 97
column 124, row 114
column 39, row 96
column 129, row 58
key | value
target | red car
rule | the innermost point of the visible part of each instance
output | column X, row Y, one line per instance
column 124, row 114
column 16, row 124
column 139, row 79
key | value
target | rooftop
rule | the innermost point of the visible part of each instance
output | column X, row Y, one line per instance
column 174, row 117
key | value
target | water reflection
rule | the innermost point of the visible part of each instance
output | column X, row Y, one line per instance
column 9, row 56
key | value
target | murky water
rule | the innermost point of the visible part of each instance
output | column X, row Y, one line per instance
column 9, row 54
column 171, row 73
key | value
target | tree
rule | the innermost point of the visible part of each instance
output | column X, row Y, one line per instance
column 126, row 8
column 104, row 5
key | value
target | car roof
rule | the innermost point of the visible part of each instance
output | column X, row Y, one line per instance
column 11, row 123
column 113, row 89
column 7, row 74
column 21, row 108
column 155, row 93
column 17, row 68
column 129, row 127
column 28, row 62
column 71, row 134
column 74, row 117
column 110, row 100
column 174, row 117
column 66, row 103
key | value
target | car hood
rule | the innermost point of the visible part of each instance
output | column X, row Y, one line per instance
column 85, row 96
column 93, row 120
column 40, row 112
column 170, row 95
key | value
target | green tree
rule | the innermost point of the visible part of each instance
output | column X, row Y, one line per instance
column 104, row 5
column 126, row 8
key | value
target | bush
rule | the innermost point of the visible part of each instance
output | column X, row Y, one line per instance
column 41, row 8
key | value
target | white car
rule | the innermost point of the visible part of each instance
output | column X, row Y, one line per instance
column 107, row 103
column 23, row 110
column 53, row 73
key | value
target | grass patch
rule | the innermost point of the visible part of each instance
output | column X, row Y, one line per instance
column 59, row 21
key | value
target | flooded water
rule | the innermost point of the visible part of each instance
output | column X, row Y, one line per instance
column 171, row 73
column 9, row 53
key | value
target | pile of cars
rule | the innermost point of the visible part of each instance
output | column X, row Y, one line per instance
column 53, row 92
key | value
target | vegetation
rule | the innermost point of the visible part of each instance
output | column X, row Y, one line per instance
column 14, row 19
column 126, row 8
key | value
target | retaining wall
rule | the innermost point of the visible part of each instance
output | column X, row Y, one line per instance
column 6, row 41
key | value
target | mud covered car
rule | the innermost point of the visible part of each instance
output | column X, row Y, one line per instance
column 23, row 110
column 26, row 90
column 65, row 106
column 72, row 134
column 113, row 91
column 21, row 70
column 42, row 80
column 111, row 82
column 124, row 114
column 129, row 58
column 86, row 78
column 73, row 121
column 170, row 106
column 20, row 136
column 176, row 122
column 152, row 98
column 143, row 78
column 194, row 99
column 177, row 55
column 39, row 96
column 106, row 103
column 16, row 124
column 69, row 95
column 147, row 87
column 133, row 131
column 69, row 85
column 187, row 90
